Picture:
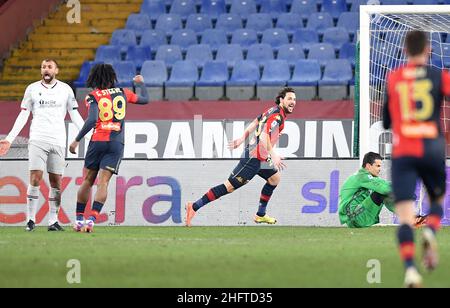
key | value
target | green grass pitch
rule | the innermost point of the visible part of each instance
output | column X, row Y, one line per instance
column 219, row 257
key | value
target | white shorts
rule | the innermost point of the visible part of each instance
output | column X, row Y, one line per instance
column 42, row 155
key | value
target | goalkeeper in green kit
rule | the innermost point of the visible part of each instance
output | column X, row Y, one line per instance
column 364, row 194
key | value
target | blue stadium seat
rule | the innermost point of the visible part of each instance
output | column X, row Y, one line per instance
column 243, row 8
column 84, row 74
column 244, row 37
column 214, row 38
column 153, row 39
column 154, row 73
column 212, row 81
column 356, row 4
column 198, row 23
column 244, row 73
column 153, row 8
column 168, row 23
column 138, row 54
column 139, row 23
column 334, row 7
column 183, row 77
column 275, row 37
column 229, row 23
column 337, row 72
column 275, row 73
column 322, row 52
column 320, row 21
column 424, row 2
column 441, row 56
column 306, row 73
column 199, row 54
column 291, row 53
column 183, row 38
column 213, row 8
column 290, row 22
column 125, row 72
column 348, row 51
column 304, row 8
column 108, row 54
column 183, row 8
column 260, row 53
column 230, row 53
column 336, row 36
column 259, row 22
column 306, row 38
column 394, row 2
column 273, row 7
column 123, row 38
column 349, row 21
column 169, row 54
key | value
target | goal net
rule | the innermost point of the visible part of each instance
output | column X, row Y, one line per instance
column 382, row 33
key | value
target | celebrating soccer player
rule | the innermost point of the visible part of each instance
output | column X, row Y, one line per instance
column 414, row 94
column 107, row 109
column 49, row 100
column 259, row 158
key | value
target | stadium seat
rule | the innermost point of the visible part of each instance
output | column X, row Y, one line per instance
column 290, row 22
column 394, row 2
column 183, row 38
column 348, row 51
column 123, row 38
column 259, row 22
column 108, row 54
column 139, row 23
column 336, row 77
column 304, row 8
column 84, row 74
column 241, row 85
column 305, row 37
column 214, row 38
column 424, row 2
column 183, row 8
column 168, row 23
column 199, row 54
column 125, row 72
column 322, row 52
column 275, row 37
column 213, row 8
column 260, row 53
column 153, row 8
column 334, row 7
column 180, row 85
column 273, row 7
column 305, row 78
column 320, row 21
column 275, row 74
column 138, row 54
column 229, row 23
column 153, row 39
column 211, row 85
column 441, row 56
column 198, row 23
column 336, row 36
column 169, row 54
column 356, row 4
column 243, row 8
column 244, row 37
column 155, row 75
column 230, row 53
column 349, row 21
column 291, row 53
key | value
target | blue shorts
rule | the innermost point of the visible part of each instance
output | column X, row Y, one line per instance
column 247, row 168
column 431, row 169
column 105, row 155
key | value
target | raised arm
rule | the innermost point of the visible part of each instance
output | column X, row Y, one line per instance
column 250, row 129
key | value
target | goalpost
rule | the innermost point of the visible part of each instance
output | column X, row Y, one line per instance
column 382, row 32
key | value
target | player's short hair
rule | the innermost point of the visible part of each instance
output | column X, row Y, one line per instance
column 51, row 60
column 282, row 94
column 415, row 42
column 370, row 158
column 102, row 76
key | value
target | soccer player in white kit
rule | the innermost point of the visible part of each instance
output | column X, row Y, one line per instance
column 49, row 100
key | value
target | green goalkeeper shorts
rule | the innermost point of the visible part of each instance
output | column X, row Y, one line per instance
column 363, row 215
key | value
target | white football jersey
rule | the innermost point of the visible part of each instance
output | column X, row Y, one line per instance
column 49, row 105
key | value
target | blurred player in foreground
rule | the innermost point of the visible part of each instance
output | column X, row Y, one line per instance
column 107, row 109
column 48, row 100
column 414, row 94
column 259, row 158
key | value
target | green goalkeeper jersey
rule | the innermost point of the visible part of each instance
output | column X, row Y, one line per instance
column 357, row 188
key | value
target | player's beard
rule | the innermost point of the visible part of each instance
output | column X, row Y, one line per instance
column 48, row 78
column 286, row 109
